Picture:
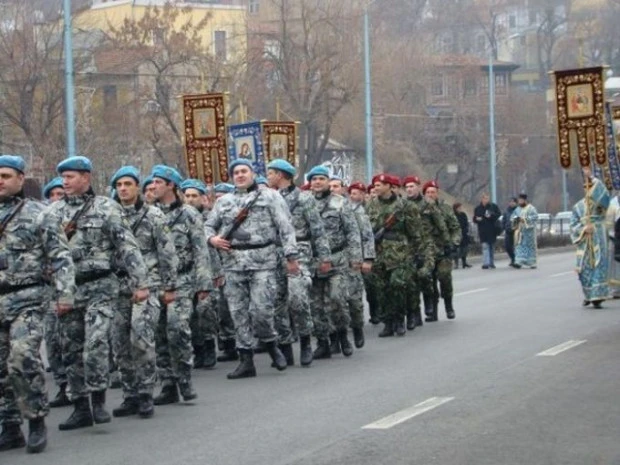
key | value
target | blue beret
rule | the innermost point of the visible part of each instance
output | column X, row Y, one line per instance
column 224, row 188
column 125, row 171
column 335, row 177
column 262, row 180
column 13, row 161
column 240, row 162
column 168, row 173
column 50, row 186
column 319, row 170
column 282, row 165
column 148, row 180
column 75, row 164
column 194, row 184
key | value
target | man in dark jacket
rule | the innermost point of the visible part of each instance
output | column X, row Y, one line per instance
column 509, row 234
column 485, row 216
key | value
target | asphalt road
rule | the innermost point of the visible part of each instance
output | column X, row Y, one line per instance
column 468, row 391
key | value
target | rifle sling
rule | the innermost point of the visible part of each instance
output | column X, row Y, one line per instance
column 78, row 214
column 9, row 216
column 240, row 219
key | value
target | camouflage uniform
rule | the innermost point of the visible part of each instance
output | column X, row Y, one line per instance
column 356, row 282
column 33, row 239
column 52, row 341
column 135, row 323
column 174, row 338
column 101, row 237
column 397, row 251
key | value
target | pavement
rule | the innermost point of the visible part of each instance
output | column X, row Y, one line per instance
column 524, row 375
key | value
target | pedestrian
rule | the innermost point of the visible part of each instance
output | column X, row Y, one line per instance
column 524, row 220
column 463, row 248
column 486, row 216
column 509, row 234
column 246, row 227
column 33, row 249
column 99, row 239
column 589, row 236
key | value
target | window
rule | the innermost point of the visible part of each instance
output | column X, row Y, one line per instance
column 512, row 21
column 437, row 87
column 220, row 45
column 110, row 98
column 253, row 7
column 501, row 83
column 484, row 84
column 470, row 87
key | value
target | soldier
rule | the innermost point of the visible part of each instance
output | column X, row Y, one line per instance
column 174, row 338
column 329, row 294
column 311, row 242
column 135, row 323
column 97, row 234
column 399, row 243
column 148, row 190
column 245, row 226
column 53, row 192
column 445, row 251
column 204, row 317
column 222, row 189
column 32, row 246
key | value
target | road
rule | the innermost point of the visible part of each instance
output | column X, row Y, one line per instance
column 468, row 391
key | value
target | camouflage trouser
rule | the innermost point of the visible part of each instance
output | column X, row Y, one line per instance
column 443, row 276
column 393, row 287
column 370, row 283
column 293, row 304
column 133, row 332
column 251, row 298
column 328, row 300
column 22, row 380
column 356, row 298
column 203, row 322
column 226, row 327
column 174, row 342
column 53, row 346
column 85, row 336
column 419, row 285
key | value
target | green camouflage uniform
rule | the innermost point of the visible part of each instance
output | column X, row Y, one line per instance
column 32, row 240
column 356, row 281
column 135, row 323
column 445, row 251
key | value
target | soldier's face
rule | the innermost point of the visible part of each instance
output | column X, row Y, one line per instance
column 193, row 198
column 127, row 189
column 161, row 188
column 357, row 195
column 56, row 194
column 383, row 189
column 274, row 177
column 336, row 187
column 206, row 202
column 11, row 182
column 431, row 194
column 149, row 194
column 243, row 176
column 75, row 182
column 319, row 183
column 412, row 189
column 522, row 202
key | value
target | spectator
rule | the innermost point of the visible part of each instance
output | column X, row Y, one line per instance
column 464, row 246
column 509, row 234
column 486, row 216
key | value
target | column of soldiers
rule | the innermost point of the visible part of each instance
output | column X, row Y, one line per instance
column 162, row 273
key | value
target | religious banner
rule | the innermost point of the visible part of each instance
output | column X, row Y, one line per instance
column 280, row 140
column 204, row 117
column 245, row 140
column 612, row 148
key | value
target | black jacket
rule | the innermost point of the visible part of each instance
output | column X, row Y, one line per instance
column 464, row 224
column 506, row 219
column 488, row 215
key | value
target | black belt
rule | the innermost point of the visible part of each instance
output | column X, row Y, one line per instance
column 338, row 249
column 4, row 290
column 91, row 276
column 305, row 238
column 250, row 246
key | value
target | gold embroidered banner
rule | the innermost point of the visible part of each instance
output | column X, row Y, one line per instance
column 204, row 117
column 280, row 140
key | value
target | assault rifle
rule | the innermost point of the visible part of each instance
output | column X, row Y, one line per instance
column 241, row 217
column 388, row 224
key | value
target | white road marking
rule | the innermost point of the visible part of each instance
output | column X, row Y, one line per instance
column 473, row 291
column 565, row 273
column 560, row 348
column 408, row 413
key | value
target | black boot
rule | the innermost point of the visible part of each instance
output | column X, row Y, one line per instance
column 187, row 391
column 347, row 348
column 128, row 407
column 358, row 337
column 145, row 406
column 433, row 315
column 61, row 399
column 37, row 436
column 100, row 415
column 388, row 329
column 246, row 368
column 305, row 351
column 399, row 327
column 169, row 395
column 11, row 437
column 278, row 359
column 81, row 417
column 334, row 347
column 428, row 304
column 287, row 351
column 411, row 321
column 199, row 356
column 210, row 358
column 322, row 350
column 260, row 348
column 417, row 315
column 230, row 353
column 449, row 308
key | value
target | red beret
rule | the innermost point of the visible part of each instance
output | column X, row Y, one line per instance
column 357, row 185
column 305, row 187
column 411, row 179
column 370, row 187
column 387, row 178
column 428, row 184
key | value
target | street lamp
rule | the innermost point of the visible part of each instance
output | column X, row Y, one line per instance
column 368, row 95
column 69, row 93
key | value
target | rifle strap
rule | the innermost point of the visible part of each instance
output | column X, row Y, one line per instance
column 10, row 215
column 78, row 214
column 136, row 225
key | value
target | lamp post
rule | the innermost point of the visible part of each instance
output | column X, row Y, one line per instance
column 69, row 91
column 368, row 96
column 492, row 152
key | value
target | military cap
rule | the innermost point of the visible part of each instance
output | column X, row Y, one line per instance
column 319, row 170
column 167, row 173
column 148, row 180
column 387, row 179
column 239, row 162
column 410, row 180
column 370, row 187
column 357, row 185
column 78, row 163
column 523, row 196
column 194, row 184
column 223, row 188
column 125, row 172
column 50, row 186
column 335, row 177
column 305, row 187
column 428, row 184
column 282, row 165
column 13, row 161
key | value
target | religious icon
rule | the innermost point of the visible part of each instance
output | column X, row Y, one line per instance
column 245, row 148
column 278, row 146
column 580, row 101
column 204, row 123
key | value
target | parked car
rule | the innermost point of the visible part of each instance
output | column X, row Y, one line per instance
column 560, row 226
column 544, row 223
